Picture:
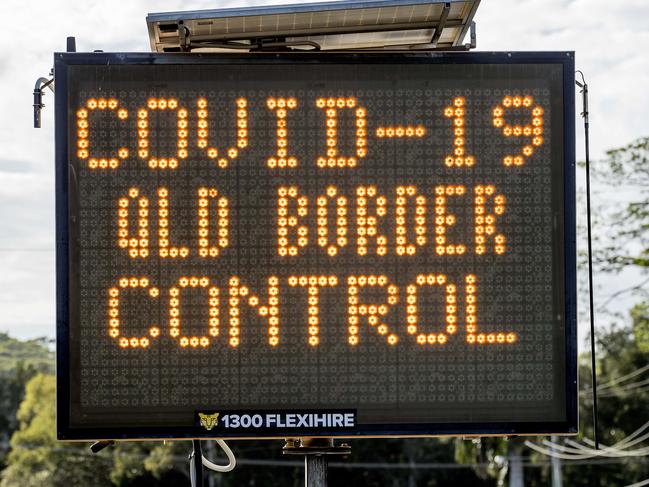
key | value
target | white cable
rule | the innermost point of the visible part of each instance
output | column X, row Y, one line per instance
column 232, row 462
column 625, row 390
column 623, row 378
column 628, row 386
column 551, row 453
column 581, row 452
column 629, row 440
column 609, row 389
column 639, row 484
column 604, row 451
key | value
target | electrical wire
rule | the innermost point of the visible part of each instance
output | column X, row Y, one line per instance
column 639, row 484
column 618, row 380
column 577, row 451
column 196, row 472
column 580, row 450
column 232, row 461
column 633, row 385
column 630, row 440
column 625, row 391
column 617, row 387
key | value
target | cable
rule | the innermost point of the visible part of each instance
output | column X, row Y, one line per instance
column 630, row 440
column 617, row 380
column 581, row 452
column 196, row 471
column 222, row 468
column 639, row 484
column 633, row 388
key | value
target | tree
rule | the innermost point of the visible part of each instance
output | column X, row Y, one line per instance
column 625, row 241
column 488, row 456
column 34, row 354
column 36, row 459
column 622, row 408
column 640, row 320
column 19, row 362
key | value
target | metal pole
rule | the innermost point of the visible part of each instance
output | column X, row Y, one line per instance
column 516, row 475
column 593, row 364
column 315, row 470
column 315, row 452
column 209, row 452
column 556, row 466
column 196, row 464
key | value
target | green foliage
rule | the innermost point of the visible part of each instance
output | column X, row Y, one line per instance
column 622, row 409
column 626, row 241
column 621, row 233
column 164, row 459
column 32, row 354
column 36, row 459
column 141, row 464
column 488, row 456
column 19, row 362
column 640, row 319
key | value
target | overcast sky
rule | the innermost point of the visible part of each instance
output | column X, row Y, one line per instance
column 610, row 40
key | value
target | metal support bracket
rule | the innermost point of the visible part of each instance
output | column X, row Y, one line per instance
column 39, row 92
column 254, row 44
column 314, row 446
column 98, row 446
column 432, row 45
column 315, row 452
column 258, row 44
column 442, row 23
column 473, row 43
column 42, row 83
column 184, row 37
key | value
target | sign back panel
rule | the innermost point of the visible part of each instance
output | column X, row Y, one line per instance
column 263, row 246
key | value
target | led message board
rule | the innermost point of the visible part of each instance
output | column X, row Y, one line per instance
column 304, row 245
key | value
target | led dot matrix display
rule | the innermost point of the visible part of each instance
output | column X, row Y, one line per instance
column 387, row 236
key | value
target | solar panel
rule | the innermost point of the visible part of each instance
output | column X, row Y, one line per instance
column 403, row 24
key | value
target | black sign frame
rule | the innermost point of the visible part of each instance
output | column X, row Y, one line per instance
column 62, row 61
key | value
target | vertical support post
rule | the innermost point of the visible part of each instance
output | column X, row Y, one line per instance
column 196, row 464
column 593, row 362
column 556, row 466
column 516, row 475
column 316, row 452
column 38, row 105
column 209, row 453
column 315, row 470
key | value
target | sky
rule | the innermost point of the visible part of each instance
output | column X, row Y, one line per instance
column 610, row 40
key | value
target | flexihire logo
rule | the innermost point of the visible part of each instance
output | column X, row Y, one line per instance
column 293, row 420
column 208, row 421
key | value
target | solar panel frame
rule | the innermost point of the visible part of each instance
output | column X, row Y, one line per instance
column 314, row 20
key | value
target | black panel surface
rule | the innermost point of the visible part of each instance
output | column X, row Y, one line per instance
column 428, row 294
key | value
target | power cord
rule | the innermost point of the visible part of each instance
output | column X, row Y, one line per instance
column 196, row 471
